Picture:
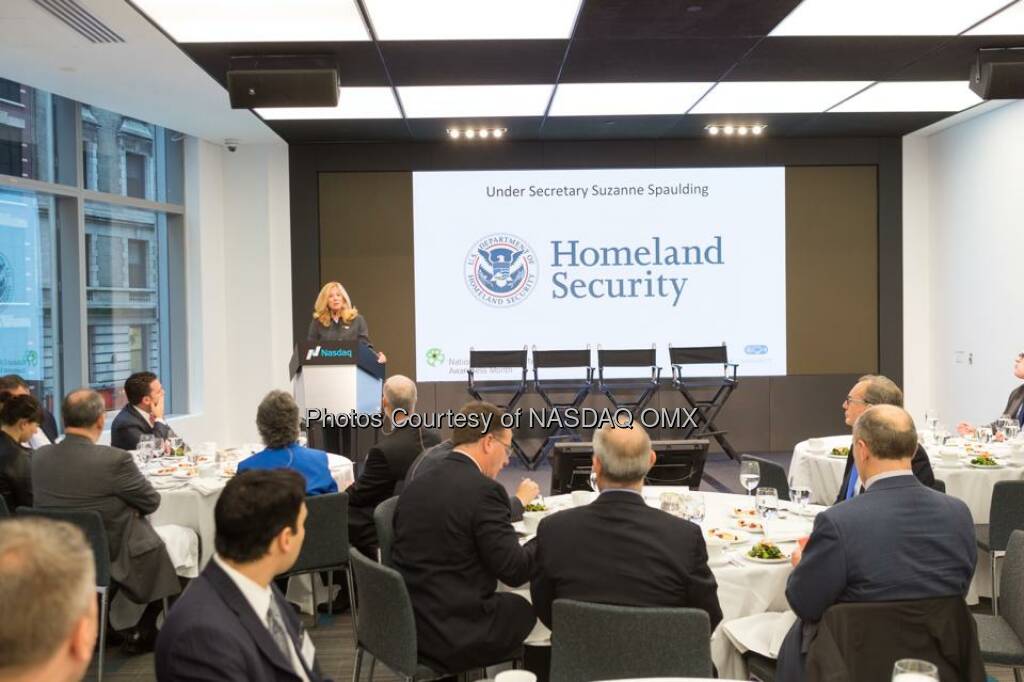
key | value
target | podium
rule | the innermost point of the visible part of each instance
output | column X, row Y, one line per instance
column 336, row 377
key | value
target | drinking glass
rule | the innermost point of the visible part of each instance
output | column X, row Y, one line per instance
column 694, row 507
column 800, row 494
column 750, row 475
column 913, row 670
column 177, row 445
column 671, row 503
column 146, row 440
column 983, row 434
column 1013, row 431
column 767, row 503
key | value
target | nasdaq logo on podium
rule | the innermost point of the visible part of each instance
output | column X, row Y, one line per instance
column 319, row 352
column 501, row 269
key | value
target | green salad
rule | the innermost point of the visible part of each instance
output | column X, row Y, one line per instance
column 984, row 460
column 840, row 452
column 765, row 550
column 535, row 506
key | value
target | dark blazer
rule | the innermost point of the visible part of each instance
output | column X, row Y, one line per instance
column 1013, row 403
column 356, row 330
column 619, row 550
column 80, row 475
column 921, row 465
column 213, row 635
column 896, row 541
column 430, row 457
column 15, row 473
column 129, row 426
column 386, row 465
column 453, row 542
column 49, row 426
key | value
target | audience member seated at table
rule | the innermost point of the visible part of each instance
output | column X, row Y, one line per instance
column 1014, row 404
column 19, row 420
column 899, row 540
column 144, row 413
column 79, row 474
column 387, row 462
column 872, row 389
column 592, row 553
column 233, row 623
column 48, row 593
column 277, row 420
column 526, row 492
column 14, row 385
column 454, row 541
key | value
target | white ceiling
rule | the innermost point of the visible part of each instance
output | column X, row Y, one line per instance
column 146, row 77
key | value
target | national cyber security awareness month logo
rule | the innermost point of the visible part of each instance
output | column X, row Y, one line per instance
column 501, row 269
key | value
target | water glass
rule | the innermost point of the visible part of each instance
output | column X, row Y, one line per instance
column 767, row 503
column 1013, row 431
column 694, row 507
column 913, row 670
column 801, row 495
column 750, row 475
column 146, row 440
column 671, row 503
column 983, row 434
column 177, row 445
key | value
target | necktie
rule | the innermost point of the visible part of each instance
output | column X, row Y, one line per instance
column 1020, row 414
column 277, row 630
column 853, row 481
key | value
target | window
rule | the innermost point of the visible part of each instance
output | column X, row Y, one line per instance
column 138, row 263
column 27, row 139
column 10, row 151
column 135, row 172
column 10, row 91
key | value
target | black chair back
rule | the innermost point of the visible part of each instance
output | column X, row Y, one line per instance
column 386, row 627
column 326, row 543
column 91, row 524
column 698, row 355
column 384, row 522
column 772, row 475
column 1007, row 513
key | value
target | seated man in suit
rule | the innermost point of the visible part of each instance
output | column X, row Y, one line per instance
column 454, row 541
column 14, row 385
column 78, row 474
column 898, row 540
column 387, row 462
column 870, row 390
column 1014, row 404
column 277, row 420
column 48, row 591
column 232, row 623
column 591, row 553
column 144, row 413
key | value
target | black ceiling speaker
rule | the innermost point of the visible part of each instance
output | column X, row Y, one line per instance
column 998, row 73
column 283, row 81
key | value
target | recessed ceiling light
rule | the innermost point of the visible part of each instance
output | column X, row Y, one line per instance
column 471, row 133
column 776, row 97
column 713, row 130
column 728, row 130
column 352, row 103
column 467, row 20
column 757, row 130
column 454, row 133
column 499, row 133
column 1009, row 22
column 484, row 133
column 742, row 130
column 256, row 21
column 625, row 99
column 450, row 101
column 884, row 17
column 911, row 96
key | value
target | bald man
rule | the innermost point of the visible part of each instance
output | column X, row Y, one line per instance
column 618, row 550
column 387, row 462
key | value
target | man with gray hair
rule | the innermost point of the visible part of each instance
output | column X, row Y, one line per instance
column 387, row 462
column 617, row 549
column 48, row 592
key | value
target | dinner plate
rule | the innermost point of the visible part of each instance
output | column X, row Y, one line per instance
column 985, row 466
column 836, row 455
column 739, row 535
column 743, row 513
column 781, row 560
column 758, row 529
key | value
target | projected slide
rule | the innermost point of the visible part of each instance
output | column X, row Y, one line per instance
column 610, row 258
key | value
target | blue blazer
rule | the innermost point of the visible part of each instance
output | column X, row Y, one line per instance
column 312, row 464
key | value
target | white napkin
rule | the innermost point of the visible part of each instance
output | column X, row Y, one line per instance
column 183, row 547
column 761, row 633
column 206, row 486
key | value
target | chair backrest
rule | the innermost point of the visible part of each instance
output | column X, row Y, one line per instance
column 633, row 357
column 939, row 485
column 772, row 475
column 326, row 543
column 384, row 521
column 91, row 524
column 386, row 627
column 698, row 355
column 1011, row 584
column 1006, row 514
column 4, row 511
column 604, row 642
column 497, row 358
column 561, row 358
column 680, row 462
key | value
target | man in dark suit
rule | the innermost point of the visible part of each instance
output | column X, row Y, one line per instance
column 144, row 413
column 15, row 385
column 1014, row 404
column 233, row 624
column 592, row 553
column 873, row 389
column 387, row 462
column 897, row 541
column 78, row 474
column 454, row 541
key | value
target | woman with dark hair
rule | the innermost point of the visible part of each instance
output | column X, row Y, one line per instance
column 20, row 416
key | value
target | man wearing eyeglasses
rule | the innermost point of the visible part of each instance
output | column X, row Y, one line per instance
column 1014, row 405
column 875, row 389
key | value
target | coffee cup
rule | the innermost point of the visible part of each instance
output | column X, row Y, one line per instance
column 581, row 497
column 531, row 520
column 716, row 549
column 816, row 444
column 949, row 456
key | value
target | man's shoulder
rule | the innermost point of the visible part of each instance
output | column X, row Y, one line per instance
column 125, row 415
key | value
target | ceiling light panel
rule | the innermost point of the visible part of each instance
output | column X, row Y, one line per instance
column 1009, row 22
column 256, row 21
column 472, row 19
column 884, row 17
column 912, row 96
column 625, row 99
column 364, row 103
column 448, row 101
column 776, row 97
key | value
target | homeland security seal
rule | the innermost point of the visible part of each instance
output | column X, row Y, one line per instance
column 501, row 269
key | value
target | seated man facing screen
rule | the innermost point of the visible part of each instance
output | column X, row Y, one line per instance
column 277, row 419
column 592, row 553
column 454, row 541
column 898, row 540
column 144, row 413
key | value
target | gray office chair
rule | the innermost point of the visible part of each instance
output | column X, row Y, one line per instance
column 604, row 642
column 326, row 545
column 91, row 524
column 1006, row 514
column 384, row 521
column 772, row 475
column 939, row 485
column 759, row 668
column 1002, row 637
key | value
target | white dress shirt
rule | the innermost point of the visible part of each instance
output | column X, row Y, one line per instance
column 887, row 474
